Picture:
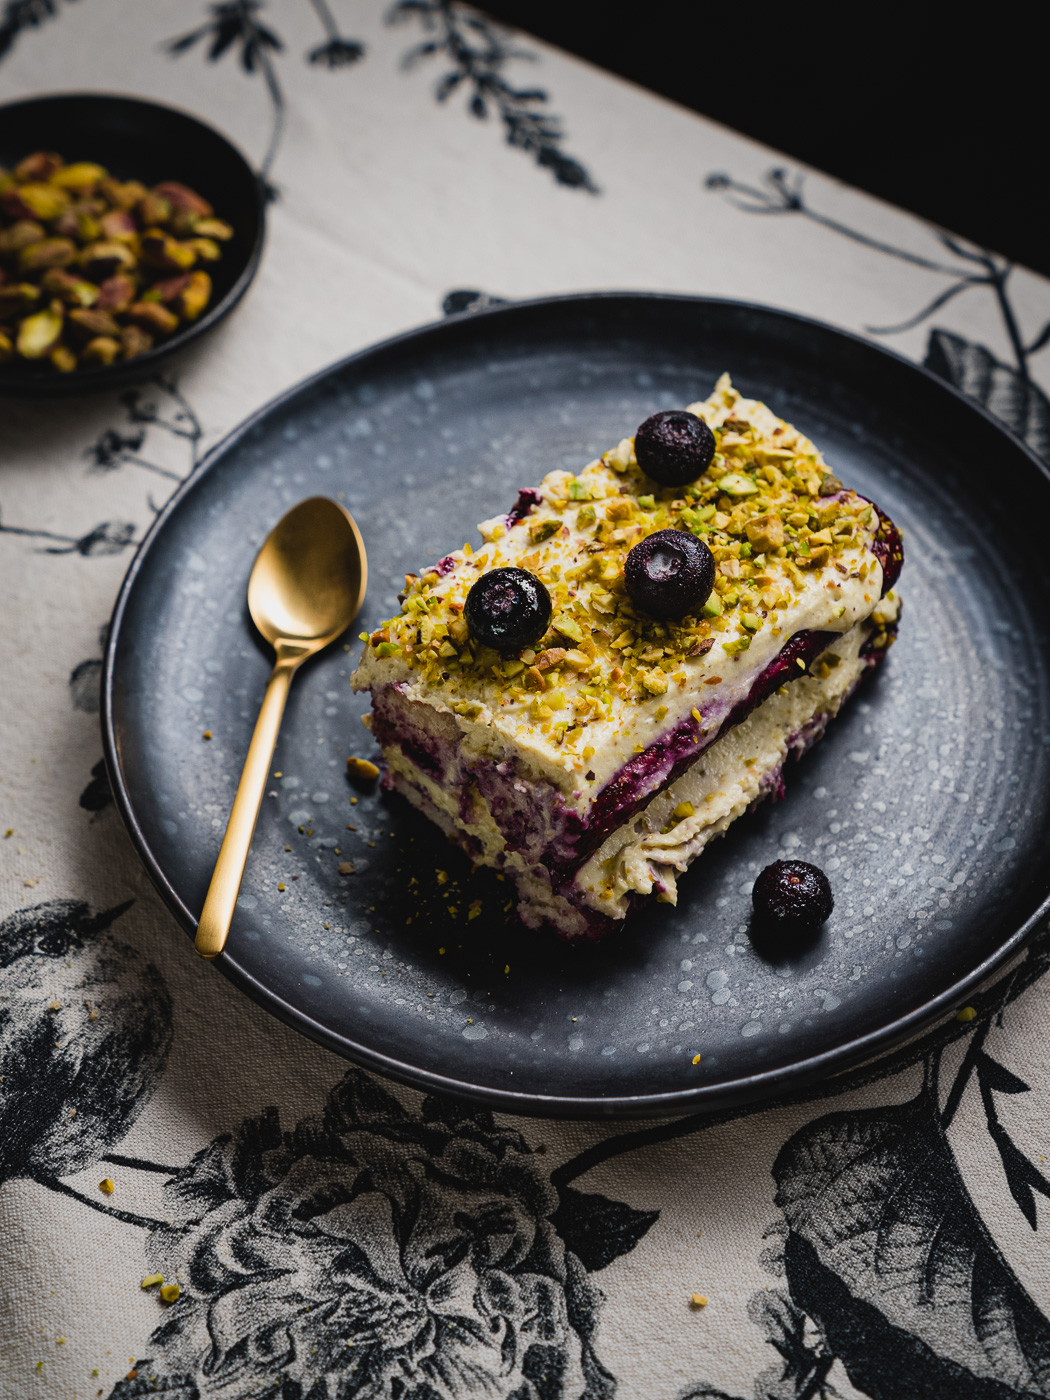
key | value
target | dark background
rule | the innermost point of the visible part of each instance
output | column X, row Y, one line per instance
column 943, row 110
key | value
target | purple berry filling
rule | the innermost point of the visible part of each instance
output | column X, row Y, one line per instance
column 528, row 497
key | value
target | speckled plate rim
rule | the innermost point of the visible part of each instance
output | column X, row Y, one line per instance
column 754, row 1088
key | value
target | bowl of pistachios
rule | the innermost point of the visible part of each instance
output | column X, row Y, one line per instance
column 128, row 230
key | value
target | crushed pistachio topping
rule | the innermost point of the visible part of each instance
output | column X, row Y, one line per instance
column 769, row 510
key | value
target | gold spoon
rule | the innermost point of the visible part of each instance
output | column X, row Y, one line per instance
column 307, row 586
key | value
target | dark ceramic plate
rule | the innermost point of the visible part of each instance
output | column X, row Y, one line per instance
column 928, row 803
column 140, row 140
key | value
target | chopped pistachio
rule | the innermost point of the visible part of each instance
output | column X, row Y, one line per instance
column 568, row 627
column 736, row 484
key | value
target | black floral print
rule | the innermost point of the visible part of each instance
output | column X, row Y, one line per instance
column 85, row 1031
column 374, row 1252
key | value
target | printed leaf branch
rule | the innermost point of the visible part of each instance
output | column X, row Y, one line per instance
column 111, row 537
column 478, row 52
column 782, row 194
column 234, row 25
column 335, row 52
column 19, row 15
column 126, row 1217
column 1022, row 1176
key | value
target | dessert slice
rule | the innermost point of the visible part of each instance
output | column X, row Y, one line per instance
column 624, row 666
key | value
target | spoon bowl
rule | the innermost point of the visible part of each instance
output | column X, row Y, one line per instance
column 306, row 587
column 308, row 581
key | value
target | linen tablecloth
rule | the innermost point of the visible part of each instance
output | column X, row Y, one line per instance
column 333, row 1235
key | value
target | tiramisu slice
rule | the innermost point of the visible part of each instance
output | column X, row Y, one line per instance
column 624, row 665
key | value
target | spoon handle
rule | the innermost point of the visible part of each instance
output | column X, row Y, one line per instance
column 215, row 917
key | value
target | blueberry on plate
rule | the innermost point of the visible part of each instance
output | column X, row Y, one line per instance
column 674, row 447
column 669, row 574
column 792, row 895
column 507, row 609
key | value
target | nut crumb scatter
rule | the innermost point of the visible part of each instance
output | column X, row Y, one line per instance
column 151, row 1279
column 698, row 1300
column 106, row 1186
column 206, row 734
column 170, row 1292
column 968, row 1013
column 696, row 1059
column 346, row 867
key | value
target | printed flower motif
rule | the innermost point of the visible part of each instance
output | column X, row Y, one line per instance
column 85, row 1029
column 374, row 1253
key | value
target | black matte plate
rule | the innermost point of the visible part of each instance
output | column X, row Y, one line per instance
column 928, row 803
column 140, row 140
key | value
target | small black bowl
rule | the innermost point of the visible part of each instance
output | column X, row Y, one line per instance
column 140, row 140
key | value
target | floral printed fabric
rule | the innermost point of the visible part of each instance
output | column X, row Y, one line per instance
column 332, row 1237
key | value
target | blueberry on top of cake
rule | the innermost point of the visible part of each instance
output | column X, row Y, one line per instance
column 559, row 700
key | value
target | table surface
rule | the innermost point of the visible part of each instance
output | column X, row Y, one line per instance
column 332, row 1234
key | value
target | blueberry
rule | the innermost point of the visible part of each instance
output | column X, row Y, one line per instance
column 674, row 447
column 792, row 895
column 669, row 574
column 507, row 609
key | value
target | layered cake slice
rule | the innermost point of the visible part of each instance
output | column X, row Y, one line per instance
column 626, row 663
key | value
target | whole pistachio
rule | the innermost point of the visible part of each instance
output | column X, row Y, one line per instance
column 159, row 249
column 122, row 195
column 103, row 350
column 49, row 252
column 135, row 341
column 116, row 293
column 118, row 225
column 102, row 260
column 82, row 176
column 194, row 298
column 87, row 324
column 153, row 209
column 151, row 316
column 169, row 287
column 183, row 222
column 35, row 201
column 39, row 334
column 73, row 290
column 77, row 222
column 207, row 249
column 41, row 165
column 19, row 235
column 214, row 228
column 182, row 197
column 17, row 297
column 63, row 359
